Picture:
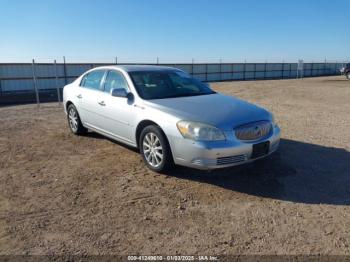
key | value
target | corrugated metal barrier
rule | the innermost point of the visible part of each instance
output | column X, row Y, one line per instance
column 17, row 79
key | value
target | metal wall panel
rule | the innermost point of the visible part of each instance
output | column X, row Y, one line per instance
column 15, row 70
column 226, row 76
column 294, row 66
column 46, row 70
column 238, row 67
column 260, row 67
column 18, row 77
column 259, row 75
column 214, row 77
column 307, row 72
column 249, row 67
column 71, row 79
column 293, row 74
column 77, row 70
column 274, row 74
column 238, row 76
column 199, row 68
column 17, row 85
column 213, row 68
column 227, row 68
column 307, row 66
column 249, row 75
column 273, row 67
column 286, row 74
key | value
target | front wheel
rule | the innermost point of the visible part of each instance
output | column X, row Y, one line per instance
column 74, row 121
column 155, row 149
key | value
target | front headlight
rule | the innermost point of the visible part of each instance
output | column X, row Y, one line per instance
column 199, row 131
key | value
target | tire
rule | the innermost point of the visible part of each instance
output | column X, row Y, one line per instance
column 74, row 122
column 348, row 75
column 155, row 149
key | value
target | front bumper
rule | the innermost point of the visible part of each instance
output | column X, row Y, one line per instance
column 219, row 154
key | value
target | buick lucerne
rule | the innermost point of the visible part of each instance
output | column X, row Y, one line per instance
column 171, row 117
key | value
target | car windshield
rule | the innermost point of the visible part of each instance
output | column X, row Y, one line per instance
column 167, row 84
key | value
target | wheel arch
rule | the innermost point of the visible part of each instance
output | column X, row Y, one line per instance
column 142, row 125
column 68, row 103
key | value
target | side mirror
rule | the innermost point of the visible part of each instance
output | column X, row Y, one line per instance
column 130, row 96
column 121, row 92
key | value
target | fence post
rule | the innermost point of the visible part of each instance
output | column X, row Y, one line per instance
column 254, row 71
column 56, row 83
column 116, row 60
column 301, row 68
column 206, row 72
column 35, row 84
column 336, row 67
column 265, row 69
column 232, row 71
column 244, row 69
column 283, row 69
column 0, row 88
column 64, row 70
column 192, row 67
column 220, row 70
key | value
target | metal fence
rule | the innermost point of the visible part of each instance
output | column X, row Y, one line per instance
column 20, row 81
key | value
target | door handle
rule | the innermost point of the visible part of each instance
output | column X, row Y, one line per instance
column 79, row 96
column 102, row 103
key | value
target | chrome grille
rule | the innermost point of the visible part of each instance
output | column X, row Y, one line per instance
column 230, row 159
column 253, row 131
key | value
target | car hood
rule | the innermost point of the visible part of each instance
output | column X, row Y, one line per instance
column 224, row 112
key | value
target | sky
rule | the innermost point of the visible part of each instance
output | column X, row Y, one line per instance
column 174, row 30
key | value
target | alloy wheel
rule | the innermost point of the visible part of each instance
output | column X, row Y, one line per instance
column 152, row 149
column 73, row 119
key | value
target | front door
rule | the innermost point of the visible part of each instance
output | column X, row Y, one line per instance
column 118, row 112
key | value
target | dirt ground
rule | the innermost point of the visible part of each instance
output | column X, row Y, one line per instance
column 65, row 194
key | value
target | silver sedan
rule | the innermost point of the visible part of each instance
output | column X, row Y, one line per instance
column 171, row 117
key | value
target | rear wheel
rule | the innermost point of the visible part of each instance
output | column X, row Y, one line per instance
column 348, row 75
column 155, row 149
column 74, row 121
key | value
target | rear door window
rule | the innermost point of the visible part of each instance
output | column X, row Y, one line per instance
column 93, row 80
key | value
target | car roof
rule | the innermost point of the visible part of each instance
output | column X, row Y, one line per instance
column 134, row 68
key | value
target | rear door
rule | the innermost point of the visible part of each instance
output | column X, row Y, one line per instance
column 91, row 91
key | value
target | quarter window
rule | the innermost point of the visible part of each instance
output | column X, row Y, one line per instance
column 115, row 80
column 93, row 79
